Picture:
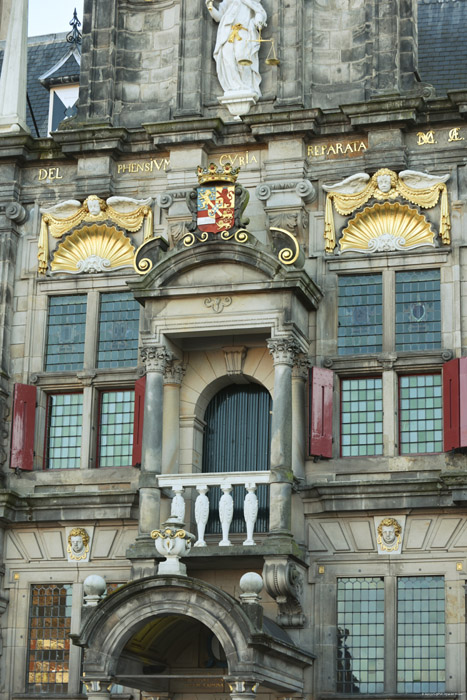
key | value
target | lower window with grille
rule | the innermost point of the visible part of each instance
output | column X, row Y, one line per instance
column 362, row 660
column 48, row 641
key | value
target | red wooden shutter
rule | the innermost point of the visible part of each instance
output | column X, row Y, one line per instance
column 455, row 404
column 22, row 434
column 320, row 412
column 140, row 386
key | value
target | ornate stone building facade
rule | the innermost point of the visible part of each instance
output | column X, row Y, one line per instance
column 232, row 390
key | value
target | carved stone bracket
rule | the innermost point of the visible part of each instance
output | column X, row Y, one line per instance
column 156, row 358
column 283, row 350
column 284, row 204
column 86, row 377
column 300, row 190
column 283, row 581
column 387, row 361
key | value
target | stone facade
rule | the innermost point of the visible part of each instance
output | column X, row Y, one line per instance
column 255, row 307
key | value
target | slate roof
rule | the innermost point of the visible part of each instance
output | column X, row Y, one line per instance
column 442, row 44
column 43, row 53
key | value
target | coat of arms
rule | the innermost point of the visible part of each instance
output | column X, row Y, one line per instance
column 217, row 205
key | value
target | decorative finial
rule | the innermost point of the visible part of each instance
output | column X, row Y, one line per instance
column 75, row 36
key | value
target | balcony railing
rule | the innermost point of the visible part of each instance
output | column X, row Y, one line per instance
column 225, row 481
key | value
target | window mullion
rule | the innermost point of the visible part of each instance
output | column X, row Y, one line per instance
column 92, row 319
column 389, row 310
column 389, row 412
column 390, row 634
column 88, row 438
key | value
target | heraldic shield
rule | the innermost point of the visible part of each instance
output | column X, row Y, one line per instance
column 217, row 205
column 216, row 208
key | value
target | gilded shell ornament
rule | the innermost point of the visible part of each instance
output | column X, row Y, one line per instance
column 386, row 228
column 96, row 248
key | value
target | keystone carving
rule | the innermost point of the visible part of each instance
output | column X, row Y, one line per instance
column 283, row 581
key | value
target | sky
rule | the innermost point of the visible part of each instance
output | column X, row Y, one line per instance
column 52, row 16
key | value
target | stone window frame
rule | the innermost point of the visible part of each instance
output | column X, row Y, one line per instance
column 389, row 363
column 89, row 380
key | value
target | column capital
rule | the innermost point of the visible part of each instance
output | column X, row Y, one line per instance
column 155, row 357
column 174, row 372
column 301, row 366
column 284, row 350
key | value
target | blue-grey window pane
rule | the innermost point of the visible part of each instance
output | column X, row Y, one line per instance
column 420, row 414
column 418, row 310
column 118, row 330
column 360, row 635
column 421, row 665
column 65, row 333
column 360, row 319
column 361, row 417
column 116, row 428
column 64, row 421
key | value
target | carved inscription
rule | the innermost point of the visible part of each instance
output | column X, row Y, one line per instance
column 337, row 149
column 49, row 174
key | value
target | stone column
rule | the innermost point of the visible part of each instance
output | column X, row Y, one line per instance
column 14, row 71
column 243, row 690
column 173, row 377
column 299, row 377
column 283, row 351
column 155, row 358
column 98, row 690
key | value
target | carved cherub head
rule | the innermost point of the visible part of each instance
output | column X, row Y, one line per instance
column 389, row 531
column 78, row 541
column 385, row 179
column 94, row 204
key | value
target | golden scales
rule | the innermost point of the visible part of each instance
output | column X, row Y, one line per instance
column 271, row 58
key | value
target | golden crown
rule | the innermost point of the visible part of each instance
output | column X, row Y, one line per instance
column 215, row 174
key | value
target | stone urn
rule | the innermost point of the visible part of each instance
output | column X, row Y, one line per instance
column 173, row 542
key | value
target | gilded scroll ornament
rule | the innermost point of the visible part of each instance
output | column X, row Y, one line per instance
column 93, row 249
column 385, row 228
column 126, row 212
column 418, row 188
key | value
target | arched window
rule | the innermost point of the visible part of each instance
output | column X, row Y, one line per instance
column 237, row 439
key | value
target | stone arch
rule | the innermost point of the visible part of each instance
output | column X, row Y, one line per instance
column 109, row 626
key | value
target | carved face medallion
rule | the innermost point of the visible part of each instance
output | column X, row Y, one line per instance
column 384, row 183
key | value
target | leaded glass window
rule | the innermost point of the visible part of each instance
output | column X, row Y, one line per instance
column 118, row 330
column 360, row 322
column 48, row 641
column 421, row 665
column 421, row 414
column 361, row 417
column 65, row 333
column 63, row 439
column 116, row 428
column 418, row 310
column 360, row 635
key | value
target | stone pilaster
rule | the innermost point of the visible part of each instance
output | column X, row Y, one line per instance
column 14, row 71
column 173, row 377
column 155, row 358
column 283, row 351
column 299, row 377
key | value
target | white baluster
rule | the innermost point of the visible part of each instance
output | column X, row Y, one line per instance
column 250, row 512
column 201, row 513
column 226, row 508
column 177, row 509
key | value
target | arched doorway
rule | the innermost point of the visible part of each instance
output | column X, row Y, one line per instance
column 237, row 438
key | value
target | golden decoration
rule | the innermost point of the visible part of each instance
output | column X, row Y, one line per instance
column 288, row 256
column 346, row 204
column 190, row 239
column 78, row 532
column 388, row 226
column 225, row 173
column 93, row 249
column 58, row 227
column 168, row 532
column 397, row 529
column 241, row 235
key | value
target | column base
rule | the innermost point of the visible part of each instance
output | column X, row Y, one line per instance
column 13, row 124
